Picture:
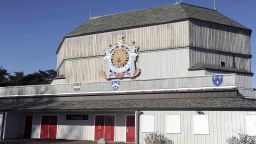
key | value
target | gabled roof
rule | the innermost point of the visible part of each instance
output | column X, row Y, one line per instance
column 153, row 16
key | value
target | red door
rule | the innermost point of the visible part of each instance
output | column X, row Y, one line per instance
column 53, row 127
column 109, row 127
column 99, row 127
column 48, row 127
column 104, row 127
column 44, row 127
column 130, row 128
column 28, row 127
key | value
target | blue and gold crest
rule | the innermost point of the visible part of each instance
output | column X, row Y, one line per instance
column 120, row 60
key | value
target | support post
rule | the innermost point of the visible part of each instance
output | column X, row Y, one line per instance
column 137, row 127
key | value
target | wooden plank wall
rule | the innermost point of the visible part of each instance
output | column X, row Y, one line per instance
column 222, row 125
column 81, row 129
column 213, row 59
column 154, row 65
column 80, row 58
column 210, row 36
column 164, row 36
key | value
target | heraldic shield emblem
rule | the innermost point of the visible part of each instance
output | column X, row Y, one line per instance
column 115, row 85
column 120, row 60
column 217, row 79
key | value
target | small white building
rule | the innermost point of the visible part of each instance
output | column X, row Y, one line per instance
column 180, row 70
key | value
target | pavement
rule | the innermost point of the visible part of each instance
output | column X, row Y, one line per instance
column 38, row 141
column 31, row 141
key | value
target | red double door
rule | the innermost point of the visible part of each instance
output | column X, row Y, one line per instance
column 48, row 127
column 104, row 127
column 130, row 128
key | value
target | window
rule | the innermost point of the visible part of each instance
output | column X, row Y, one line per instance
column 172, row 124
column 147, row 123
column 251, row 124
column 76, row 117
column 222, row 64
column 200, row 124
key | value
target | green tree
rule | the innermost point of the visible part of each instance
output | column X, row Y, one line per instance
column 19, row 78
column 3, row 77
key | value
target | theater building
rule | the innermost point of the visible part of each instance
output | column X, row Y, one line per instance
column 180, row 70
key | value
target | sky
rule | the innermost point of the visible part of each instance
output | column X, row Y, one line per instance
column 31, row 30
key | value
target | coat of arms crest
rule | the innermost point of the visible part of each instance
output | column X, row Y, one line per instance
column 120, row 60
column 217, row 79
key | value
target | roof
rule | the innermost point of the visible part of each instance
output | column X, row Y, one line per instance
column 219, row 68
column 215, row 100
column 152, row 16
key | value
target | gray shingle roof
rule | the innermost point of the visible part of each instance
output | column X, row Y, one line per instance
column 185, row 100
column 153, row 16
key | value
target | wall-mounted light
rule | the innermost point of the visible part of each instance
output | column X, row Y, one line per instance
column 200, row 112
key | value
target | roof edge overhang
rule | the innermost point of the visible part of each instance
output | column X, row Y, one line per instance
column 225, row 100
column 220, row 69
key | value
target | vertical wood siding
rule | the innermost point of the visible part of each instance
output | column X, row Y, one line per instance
column 148, row 38
column 203, row 35
column 213, row 59
column 81, row 129
column 244, row 81
column 222, row 125
column 154, row 65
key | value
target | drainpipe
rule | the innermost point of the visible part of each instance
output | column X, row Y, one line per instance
column 3, row 125
column 137, row 127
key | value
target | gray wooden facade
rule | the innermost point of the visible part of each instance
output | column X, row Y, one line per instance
column 80, row 58
column 181, row 48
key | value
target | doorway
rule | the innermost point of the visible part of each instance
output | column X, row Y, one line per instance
column 104, row 127
column 130, row 128
column 48, row 127
column 28, row 127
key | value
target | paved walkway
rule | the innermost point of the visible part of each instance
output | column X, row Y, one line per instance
column 35, row 141
column 43, row 142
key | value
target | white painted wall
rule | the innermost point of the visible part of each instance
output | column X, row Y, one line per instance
column 155, row 37
column 153, row 65
column 81, row 129
column 222, row 125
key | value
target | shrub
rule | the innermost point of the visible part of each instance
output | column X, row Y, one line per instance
column 157, row 138
column 242, row 139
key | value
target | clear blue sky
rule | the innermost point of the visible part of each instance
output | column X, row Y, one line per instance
column 31, row 30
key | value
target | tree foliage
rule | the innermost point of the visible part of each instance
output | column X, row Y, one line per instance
column 19, row 78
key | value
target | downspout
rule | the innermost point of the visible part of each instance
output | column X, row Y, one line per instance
column 137, row 127
column 3, row 125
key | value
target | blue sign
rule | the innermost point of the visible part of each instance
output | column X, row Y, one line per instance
column 77, row 86
column 217, row 79
column 115, row 85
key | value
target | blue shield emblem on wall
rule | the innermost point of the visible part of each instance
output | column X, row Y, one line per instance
column 115, row 85
column 217, row 80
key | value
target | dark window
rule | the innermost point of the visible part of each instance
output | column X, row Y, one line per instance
column 223, row 64
column 234, row 61
column 76, row 117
